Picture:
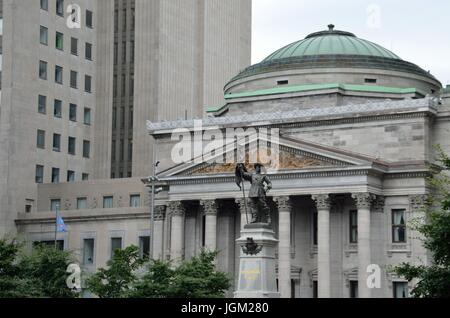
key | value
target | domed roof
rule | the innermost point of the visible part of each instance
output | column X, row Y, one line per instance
column 331, row 42
column 332, row 49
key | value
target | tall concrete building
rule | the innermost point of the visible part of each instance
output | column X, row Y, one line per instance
column 75, row 98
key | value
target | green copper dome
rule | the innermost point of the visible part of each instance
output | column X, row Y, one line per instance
column 331, row 42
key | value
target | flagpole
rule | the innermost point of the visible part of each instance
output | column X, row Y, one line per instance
column 56, row 225
column 245, row 200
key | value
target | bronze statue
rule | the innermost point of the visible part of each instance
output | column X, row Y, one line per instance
column 260, row 185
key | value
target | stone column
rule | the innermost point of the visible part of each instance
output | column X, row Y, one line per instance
column 323, row 245
column 176, row 209
column 284, row 246
column 241, row 204
column 158, row 232
column 210, row 209
column 363, row 203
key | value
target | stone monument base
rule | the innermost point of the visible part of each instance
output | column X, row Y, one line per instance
column 257, row 276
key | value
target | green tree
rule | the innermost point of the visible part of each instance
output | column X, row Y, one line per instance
column 434, row 281
column 116, row 280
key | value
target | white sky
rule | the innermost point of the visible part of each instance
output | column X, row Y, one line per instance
column 417, row 31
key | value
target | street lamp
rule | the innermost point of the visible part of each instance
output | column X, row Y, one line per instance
column 153, row 191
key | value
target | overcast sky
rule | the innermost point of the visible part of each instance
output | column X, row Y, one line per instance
column 417, row 31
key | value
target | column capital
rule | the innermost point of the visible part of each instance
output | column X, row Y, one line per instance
column 378, row 204
column 284, row 203
column 323, row 201
column 418, row 201
column 210, row 207
column 363, row 200
column 176, row 208
column 160, row 212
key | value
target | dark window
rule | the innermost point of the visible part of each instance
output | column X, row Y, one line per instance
column 42, row 104
column 398, row 226
column 44, row 5
column 315, row 290
column 353, row 289
column 57, row 108
column 88, row 251
column 293, row 288
column 88, row 51
column 400, row 290
column 59, row 244
column 39, row 174
column 74, row 46
column 58, row 74
column 85, row 177
column 57, row 142
column 370, row 80
column 353, row 226
column 59, row 41
column 283, row 82
column 60, row 7
column 144, row 246
column 73, row 79
column 70, row 176
column 86, row 149
column 89, row 19
column 73, row 112
column 44, row 35
column 55, row 175
column 87, row 116
column 87, row 83
column 71, row 147
column 315, row 228
column 43, row 70
column 40, row 143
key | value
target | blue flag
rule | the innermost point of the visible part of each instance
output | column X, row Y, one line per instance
column 60, row 225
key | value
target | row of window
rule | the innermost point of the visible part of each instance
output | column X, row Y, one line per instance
column 39, row 178
column 398, row 226
column 57, row 110
column 59, row 8
column 59, row 43
column 59, row 75
column 108, row 202
column 56, row 145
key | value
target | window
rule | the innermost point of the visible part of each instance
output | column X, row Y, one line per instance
column 39, row 174
column 354, row 289
column 315, row 289
column 60, row 8
column 57, row 142
column 132, row 51
column 88, row 51
column 55, row 205
column 89, row 19
column 81, row 203
column 57, row 108
column 370, row 80
column 59, row 41
column 88, row 251
column 400, row 290
column 70, row 176
column 283, row 82
column 71, row 146
column 42, row 104
column 315, row 229
column 87, row 116
column 107, row 202
column 44, row 35
column 73, row 112
column 86, row 148
column 43, row 70
column 135, row 200
column 58, row 74
column 116, row 244
column 398, row 226
column 144, row 246
column 73, row 79
column 40, row 142
column 130, row 150
column 85, row 177
column 87, row 83
column 55, row 175
column 124, row 52
column 59, row 244
column 74, row 46
column 44, row 5
column 353, row 226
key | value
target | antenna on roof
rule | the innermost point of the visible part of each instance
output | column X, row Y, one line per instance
column 331, row 27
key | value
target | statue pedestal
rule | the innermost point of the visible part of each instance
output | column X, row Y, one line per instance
column 257, row 276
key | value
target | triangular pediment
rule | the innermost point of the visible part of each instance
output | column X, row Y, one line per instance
column 292, row 154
